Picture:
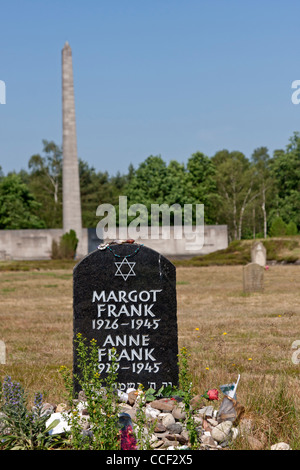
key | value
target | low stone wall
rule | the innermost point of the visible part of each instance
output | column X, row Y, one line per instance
column 34, row 244
column 215, row 238
column 31, row 244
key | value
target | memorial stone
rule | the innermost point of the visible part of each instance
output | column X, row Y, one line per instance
column 258, row 254
column 2, row 352
column 124, row 297
column 253, row 278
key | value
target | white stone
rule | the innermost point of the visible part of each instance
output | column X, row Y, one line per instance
column 168, row 420
column 123, row 396
column 221, row 432
column 198, row 420
column 207, row 411
column 82, row 405
column 234, row 433
column 207, row 440
column 153, row 438
column 281, row 446
column 151, row 412
column 212, row 421
column 163, row 414
column 61, row 427
column 2, row 352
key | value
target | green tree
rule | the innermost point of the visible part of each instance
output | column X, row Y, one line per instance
column 18, row 206
column 46, row 182
column 175, row 184
column 201, row 185
column 265, row 182
column 148, row 184
column 285, row 170
column 291, row 228
column 93, row 188
column 235, row 183
column 97, row 188
column 278, row 227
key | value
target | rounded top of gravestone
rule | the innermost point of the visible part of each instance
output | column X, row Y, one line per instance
column 258, row 243
column 258, row 253
column 123, row 265
column 127, row 251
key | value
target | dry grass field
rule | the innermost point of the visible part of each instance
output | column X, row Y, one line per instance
column 225, row 331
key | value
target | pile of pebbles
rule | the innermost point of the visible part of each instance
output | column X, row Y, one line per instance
column 169, row 423
column 166, row 418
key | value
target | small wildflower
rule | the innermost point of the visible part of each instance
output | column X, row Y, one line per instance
column 224, row 333
column 206, row 368
column 249, row 358
column 38, row 399
column 197, row 329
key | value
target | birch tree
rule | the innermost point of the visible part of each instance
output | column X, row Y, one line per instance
column 46, row 182
column 261, row 161
column 236, row 186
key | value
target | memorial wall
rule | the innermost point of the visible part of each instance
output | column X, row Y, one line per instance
column 33, row 244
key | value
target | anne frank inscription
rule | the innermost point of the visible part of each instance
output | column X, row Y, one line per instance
column 125, row 298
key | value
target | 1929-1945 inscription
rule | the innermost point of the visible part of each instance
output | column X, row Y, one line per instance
column 124, row 297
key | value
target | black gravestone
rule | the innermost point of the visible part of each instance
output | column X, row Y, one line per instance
column 124, row 297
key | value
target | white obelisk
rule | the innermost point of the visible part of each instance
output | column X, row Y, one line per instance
column 71, row 187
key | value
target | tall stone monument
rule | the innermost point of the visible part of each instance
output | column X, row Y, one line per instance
column 71, row 188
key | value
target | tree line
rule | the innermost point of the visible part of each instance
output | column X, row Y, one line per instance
column 254, row 197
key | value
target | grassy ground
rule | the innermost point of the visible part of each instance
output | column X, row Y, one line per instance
column 230, row 333
column 226, row 332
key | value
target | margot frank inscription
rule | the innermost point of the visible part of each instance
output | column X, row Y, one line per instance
column 125, row 299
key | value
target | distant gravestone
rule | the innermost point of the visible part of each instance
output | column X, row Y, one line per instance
column 258, row 254
column 2, row 352
column 253, row 278
column 124, row 297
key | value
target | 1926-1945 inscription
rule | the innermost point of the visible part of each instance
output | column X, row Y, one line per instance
column 124, row 297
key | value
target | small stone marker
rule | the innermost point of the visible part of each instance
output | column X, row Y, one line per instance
column 253, row 278
column 2, row 352
column 258, row 254
column 124, row 297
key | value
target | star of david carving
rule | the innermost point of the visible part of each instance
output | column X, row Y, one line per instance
column 127, row 269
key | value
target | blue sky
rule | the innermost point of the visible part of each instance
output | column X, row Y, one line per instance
column 151, row 77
